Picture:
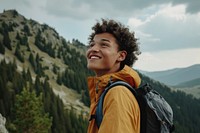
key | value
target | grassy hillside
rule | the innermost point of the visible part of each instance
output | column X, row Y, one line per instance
column 47, row 62
column 43, row 51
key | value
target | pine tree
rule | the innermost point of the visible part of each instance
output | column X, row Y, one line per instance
column 29, row 77
column 27, row 30
column 55, row 68
column 29, row 113
column 6, row 40
column 24, row 40
column 2, row 90
column 38, row 69
column 18, row 53
column 32, row 61
column 59, row 79
column 2, row 48
column 38, row 85
column 18, row 36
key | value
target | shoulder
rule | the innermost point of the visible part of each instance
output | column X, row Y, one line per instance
column 119, row 90
column 120, row 95
column 120, row 102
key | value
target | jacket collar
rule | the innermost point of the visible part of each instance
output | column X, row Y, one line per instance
column 96, row 85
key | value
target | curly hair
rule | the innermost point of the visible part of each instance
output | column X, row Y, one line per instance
column 125, row 38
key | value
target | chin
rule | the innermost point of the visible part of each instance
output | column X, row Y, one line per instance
column 92, row 67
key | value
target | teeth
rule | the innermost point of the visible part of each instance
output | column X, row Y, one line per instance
column 94, row 57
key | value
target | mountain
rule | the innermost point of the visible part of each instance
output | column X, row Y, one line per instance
column 191, row 87
column 190, row 83
column 183, row 79
column 34, row 56
column 176, row 76
column 40, row 49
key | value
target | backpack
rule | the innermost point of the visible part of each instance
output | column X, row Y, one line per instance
column 156, row 113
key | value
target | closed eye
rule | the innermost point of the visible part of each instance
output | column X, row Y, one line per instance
column 91, row 44
column 104, row 45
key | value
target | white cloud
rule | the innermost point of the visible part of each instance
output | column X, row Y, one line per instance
column 167, row 29
column 177, row 12
column 135, row 22
column 168, row 59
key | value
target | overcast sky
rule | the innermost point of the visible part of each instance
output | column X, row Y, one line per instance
column 168, row 30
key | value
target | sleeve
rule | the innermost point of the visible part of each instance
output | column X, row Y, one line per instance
column 121, row 112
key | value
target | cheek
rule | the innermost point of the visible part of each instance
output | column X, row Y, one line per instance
column 87, row 53
column 111, row 58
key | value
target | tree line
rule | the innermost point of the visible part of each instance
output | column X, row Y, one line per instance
column 74, row 76
column 32, row 106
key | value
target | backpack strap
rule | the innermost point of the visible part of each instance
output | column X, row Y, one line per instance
column 151, row 104
column 99, row 109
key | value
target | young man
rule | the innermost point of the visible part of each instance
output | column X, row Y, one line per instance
column 111, row 53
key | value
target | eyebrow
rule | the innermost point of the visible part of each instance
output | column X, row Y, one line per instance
column 103, row 39
column 106, row 40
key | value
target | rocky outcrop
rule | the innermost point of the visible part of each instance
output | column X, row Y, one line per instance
column 2, row 124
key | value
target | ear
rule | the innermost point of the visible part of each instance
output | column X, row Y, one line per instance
column 122, row 55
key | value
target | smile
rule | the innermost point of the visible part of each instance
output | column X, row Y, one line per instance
column 94, row 57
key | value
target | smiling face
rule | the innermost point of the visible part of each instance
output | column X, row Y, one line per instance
column 103, row 55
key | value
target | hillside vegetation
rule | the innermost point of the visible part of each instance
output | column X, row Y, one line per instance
column 34, row 56
column 40, row 49
column 190, row 83
column 41, row 68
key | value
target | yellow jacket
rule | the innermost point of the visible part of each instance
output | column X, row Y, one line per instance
column 120, row 108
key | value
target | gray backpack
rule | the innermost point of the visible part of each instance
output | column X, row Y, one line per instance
column 156, row 113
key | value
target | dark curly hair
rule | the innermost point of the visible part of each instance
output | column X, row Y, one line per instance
column 125, row 39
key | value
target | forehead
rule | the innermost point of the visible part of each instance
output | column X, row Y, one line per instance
column 104, row 37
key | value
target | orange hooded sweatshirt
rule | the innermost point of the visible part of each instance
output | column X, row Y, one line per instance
column 121, row 113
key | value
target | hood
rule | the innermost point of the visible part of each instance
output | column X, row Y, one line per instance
column 96, row 85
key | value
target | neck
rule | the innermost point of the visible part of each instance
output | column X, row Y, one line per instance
column 109, row 71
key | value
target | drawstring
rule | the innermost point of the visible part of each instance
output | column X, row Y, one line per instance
column 93, row 116
column 97, row 84
column 110, row 81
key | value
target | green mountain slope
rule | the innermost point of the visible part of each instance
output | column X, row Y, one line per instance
column 35, row 54
column 190, row 87
column 190, row 83
column 40, row 49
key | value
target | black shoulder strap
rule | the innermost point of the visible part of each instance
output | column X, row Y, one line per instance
column 99, row 110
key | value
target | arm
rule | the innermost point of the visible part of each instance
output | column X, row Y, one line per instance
column 121, row 112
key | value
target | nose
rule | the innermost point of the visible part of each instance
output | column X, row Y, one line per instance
column 94, row 48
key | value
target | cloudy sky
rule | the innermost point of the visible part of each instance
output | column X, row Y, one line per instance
column 168, row 30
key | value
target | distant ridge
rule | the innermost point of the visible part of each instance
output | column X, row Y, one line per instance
column 176, row 76
column 191, row 83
